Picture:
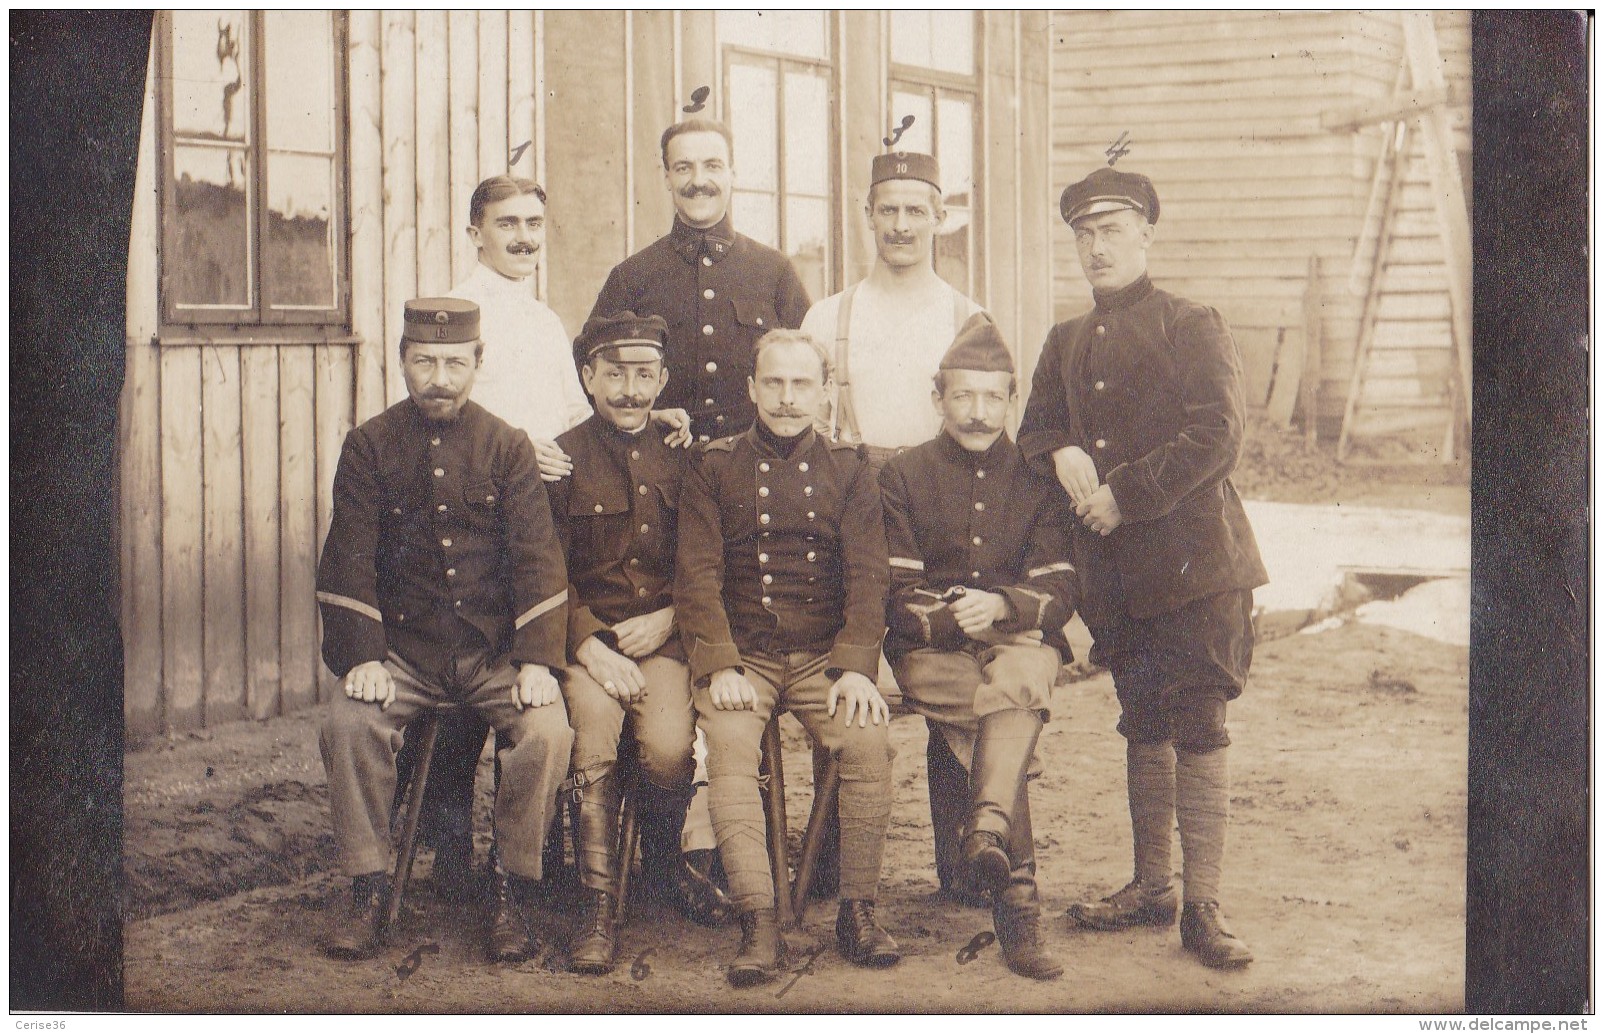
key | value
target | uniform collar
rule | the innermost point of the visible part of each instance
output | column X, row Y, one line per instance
column 493, row 282
column 992, row 457
column 770, row 444
column 715, row 242
column 1125, row 297
column 610, row 432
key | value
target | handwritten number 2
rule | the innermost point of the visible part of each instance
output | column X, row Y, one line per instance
column 978, row 943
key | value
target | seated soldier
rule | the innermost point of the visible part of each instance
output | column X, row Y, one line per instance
column 441, row 582
column 780, row 589
column 981, row 588
column 616, row 519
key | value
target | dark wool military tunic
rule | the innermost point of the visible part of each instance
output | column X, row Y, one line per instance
column 781, row 553
column 617, row 518
column 719, row 291
column 1150, row 386
column 441, row 539
column 984, row 520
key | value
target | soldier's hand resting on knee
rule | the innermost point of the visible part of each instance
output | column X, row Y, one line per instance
column 534, row 687
column 977, row 610
column 371, row 682
column 643, row 634
column 1076, row 472
column 856, row 696
column 619, row 676
column 732, row 691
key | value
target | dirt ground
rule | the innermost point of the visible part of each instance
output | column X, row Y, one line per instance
column 1345, row 872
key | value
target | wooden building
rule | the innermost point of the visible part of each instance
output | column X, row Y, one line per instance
column 303, row 173
column 1264, row 134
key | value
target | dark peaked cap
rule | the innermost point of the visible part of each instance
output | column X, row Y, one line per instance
column 979, row 346
column 441, row 321
column 637, row 339
column 905, row 165
column 1109, row 190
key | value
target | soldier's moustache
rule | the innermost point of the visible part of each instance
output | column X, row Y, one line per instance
column 520, row 248
column 977, row 427
column 627, row 402
column 706, row 190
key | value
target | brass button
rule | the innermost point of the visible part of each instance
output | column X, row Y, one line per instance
column 762, row 518
column 974, row 574
column 1101, row 444
column 641, row 592
column 711, row 366
column 642, row 489
column 812, row 556
column 441, row 508
column 709, row 403
column 980, row 473
column 768, row 579
column 708, row 294
column 701, row 438
column 763, row 492
column 980, row 506
column 397, row 511
column 707, row 330
column 767, row 600
column 451, row 572
column 598, row 507
column 764, row 467
column 644, row 528
column 808, row 490
column 490, row 498
column 706, row 261
column 439, row 472
column 803, row 467
column 634, row 561
column 634, row 454
column 1100, row 330
column 446, row 543
column 811, row 515
column 975, row 540
column 1099, row 385
column 459, row 603
column 760, row 321
column 434, row 441
column 762, row 558
column 719, row 419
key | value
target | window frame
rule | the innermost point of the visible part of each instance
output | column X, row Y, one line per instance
column 731, row 54
column 257, row 321
column 937, row 84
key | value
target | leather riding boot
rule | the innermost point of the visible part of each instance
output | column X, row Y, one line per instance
column 826, row 881
column 358, row 930
column 1203, row 933
column 1016, row 911
column 861, row 938
column 949, row 807
column 761, row 951
column 600, row 800
column 1138, row 903
column 1002, row 757
column 508, row 937
column 666, row 873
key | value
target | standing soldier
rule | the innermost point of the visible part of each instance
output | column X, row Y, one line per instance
column 889, row 331
column 1137, row 407
column 982, row 586
column 719, row 290
column 616, row 518
column 441, row 582
column 781, row 592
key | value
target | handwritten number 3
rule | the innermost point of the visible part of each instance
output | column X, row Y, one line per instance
column 971, row 951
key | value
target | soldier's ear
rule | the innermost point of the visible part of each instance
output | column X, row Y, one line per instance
column 1149, row 231
column 473, row 235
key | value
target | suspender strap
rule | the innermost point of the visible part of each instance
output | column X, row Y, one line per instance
column 845, row 418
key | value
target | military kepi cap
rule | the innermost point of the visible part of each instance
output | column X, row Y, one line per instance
column 1109, row 190
column 979, row 346
column 905, row 165
column 441, row 321
column 632, row 338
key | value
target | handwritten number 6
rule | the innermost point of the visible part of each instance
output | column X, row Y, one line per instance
column 978, row 943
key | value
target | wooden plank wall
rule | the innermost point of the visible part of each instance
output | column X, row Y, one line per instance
column 1223, row 112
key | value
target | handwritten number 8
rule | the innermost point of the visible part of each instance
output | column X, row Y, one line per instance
column 978, row 943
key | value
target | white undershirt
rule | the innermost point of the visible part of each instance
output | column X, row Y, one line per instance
column 897, row 342
column 527, row 377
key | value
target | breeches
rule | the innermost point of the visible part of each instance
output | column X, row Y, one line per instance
column 662, row 722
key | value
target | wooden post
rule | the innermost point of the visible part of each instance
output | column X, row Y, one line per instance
column 1313, row 331
column 367, row 213
column 140, row 440
column 1448, row 193
column 400, row 187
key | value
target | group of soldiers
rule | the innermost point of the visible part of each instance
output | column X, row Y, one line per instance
column 547, row 558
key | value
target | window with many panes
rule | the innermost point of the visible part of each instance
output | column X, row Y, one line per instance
column 778, row 106
column 254, row 184
column 933, row 78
